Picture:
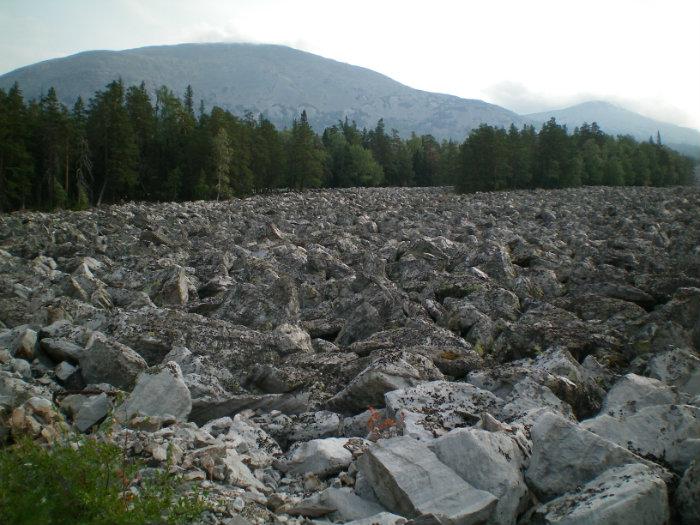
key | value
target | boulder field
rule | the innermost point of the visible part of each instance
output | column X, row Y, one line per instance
column 388, row 356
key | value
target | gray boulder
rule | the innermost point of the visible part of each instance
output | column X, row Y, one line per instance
column 86, row 410
column 668, row 433
column 632, row 393
column 677, row 367
column 392, row 371
column 337, row 504
column 626, row 495
column 432, row 409
column 159, row 391
column 688, row 495
column 290, row 339
column 383, row 518
column 62, row 350
column 21, row 341
column 566, row 456
column 410, row 480
column 111, row 362
column 490, row 461
column 322, row 457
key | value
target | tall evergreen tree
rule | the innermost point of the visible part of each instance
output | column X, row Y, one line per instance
column 306, row 156
column 113, row 145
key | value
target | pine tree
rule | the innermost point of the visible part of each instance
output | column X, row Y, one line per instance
column 16, row 163
column 113, row 145
column 221, row 161
column 306, row 156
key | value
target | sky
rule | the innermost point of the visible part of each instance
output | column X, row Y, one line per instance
column 525, row 55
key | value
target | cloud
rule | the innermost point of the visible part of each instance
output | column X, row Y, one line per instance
column 226, row 32
column 519, row 98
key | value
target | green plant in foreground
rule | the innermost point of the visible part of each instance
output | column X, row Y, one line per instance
column 85, row 482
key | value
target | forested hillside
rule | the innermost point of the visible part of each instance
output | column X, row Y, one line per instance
column 122, row 145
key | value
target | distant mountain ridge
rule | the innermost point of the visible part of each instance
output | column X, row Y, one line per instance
column 279, row 82
column 615, row 120
column 274, row 80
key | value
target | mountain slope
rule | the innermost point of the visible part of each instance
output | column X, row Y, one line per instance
column 615, row 120
column 275, row 80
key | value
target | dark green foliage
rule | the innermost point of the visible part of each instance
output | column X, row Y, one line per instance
column 128, row 144
column 85, row 482
column 492, row 159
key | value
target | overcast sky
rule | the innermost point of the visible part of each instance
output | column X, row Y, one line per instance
column 526, row 55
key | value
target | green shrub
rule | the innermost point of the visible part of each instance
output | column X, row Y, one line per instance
column 85, row 482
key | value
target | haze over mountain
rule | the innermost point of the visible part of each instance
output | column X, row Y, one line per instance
column 615, row 120
column 279, row 82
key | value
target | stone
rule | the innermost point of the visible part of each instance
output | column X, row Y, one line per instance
column 679, row 368
column 111, row 362
column 21, row 341
column 91, row 411
column 410, row 480
column 527, row 394
column 666, row 433
column 64, row 371
column 392, row 371
column 383, row 518
column 62, row 350
column 22, row 367
column 237, row 473
column 175, row 290
column 490, row 461
column 566, row 456
column 439, row 406
column 159, row 391
column 626, row 495
column 688, row 495
column 336, row 504
column 290, row 339
column 632, row 393
column 315, row 425
column 322, row 457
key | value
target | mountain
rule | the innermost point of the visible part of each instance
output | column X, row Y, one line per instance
column 274, row 80
column 615, row 120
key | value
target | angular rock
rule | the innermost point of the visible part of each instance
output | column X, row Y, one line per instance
column 565, row 456
column 290, row 339
column 679, row 368
column 411, row 481
column 337, row 504
column 21, row 341
column 688, row 495
column 392, row 371
column 111, row 362
column 440, row 406
column 490, row 461
column 321, row 457
column 626, row 495
column 204, row 410
column 159, row 391
column 91, row 411
column 632, row 393
column 667, row 433
column 383, row 518
column 62, row 350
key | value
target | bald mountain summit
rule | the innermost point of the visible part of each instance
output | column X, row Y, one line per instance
column 276, row 81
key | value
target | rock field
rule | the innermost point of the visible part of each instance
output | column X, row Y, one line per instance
column 373, row 355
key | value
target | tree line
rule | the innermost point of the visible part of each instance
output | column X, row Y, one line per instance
column 124, row 144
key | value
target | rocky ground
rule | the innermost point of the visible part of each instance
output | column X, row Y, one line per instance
column 374, row 355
